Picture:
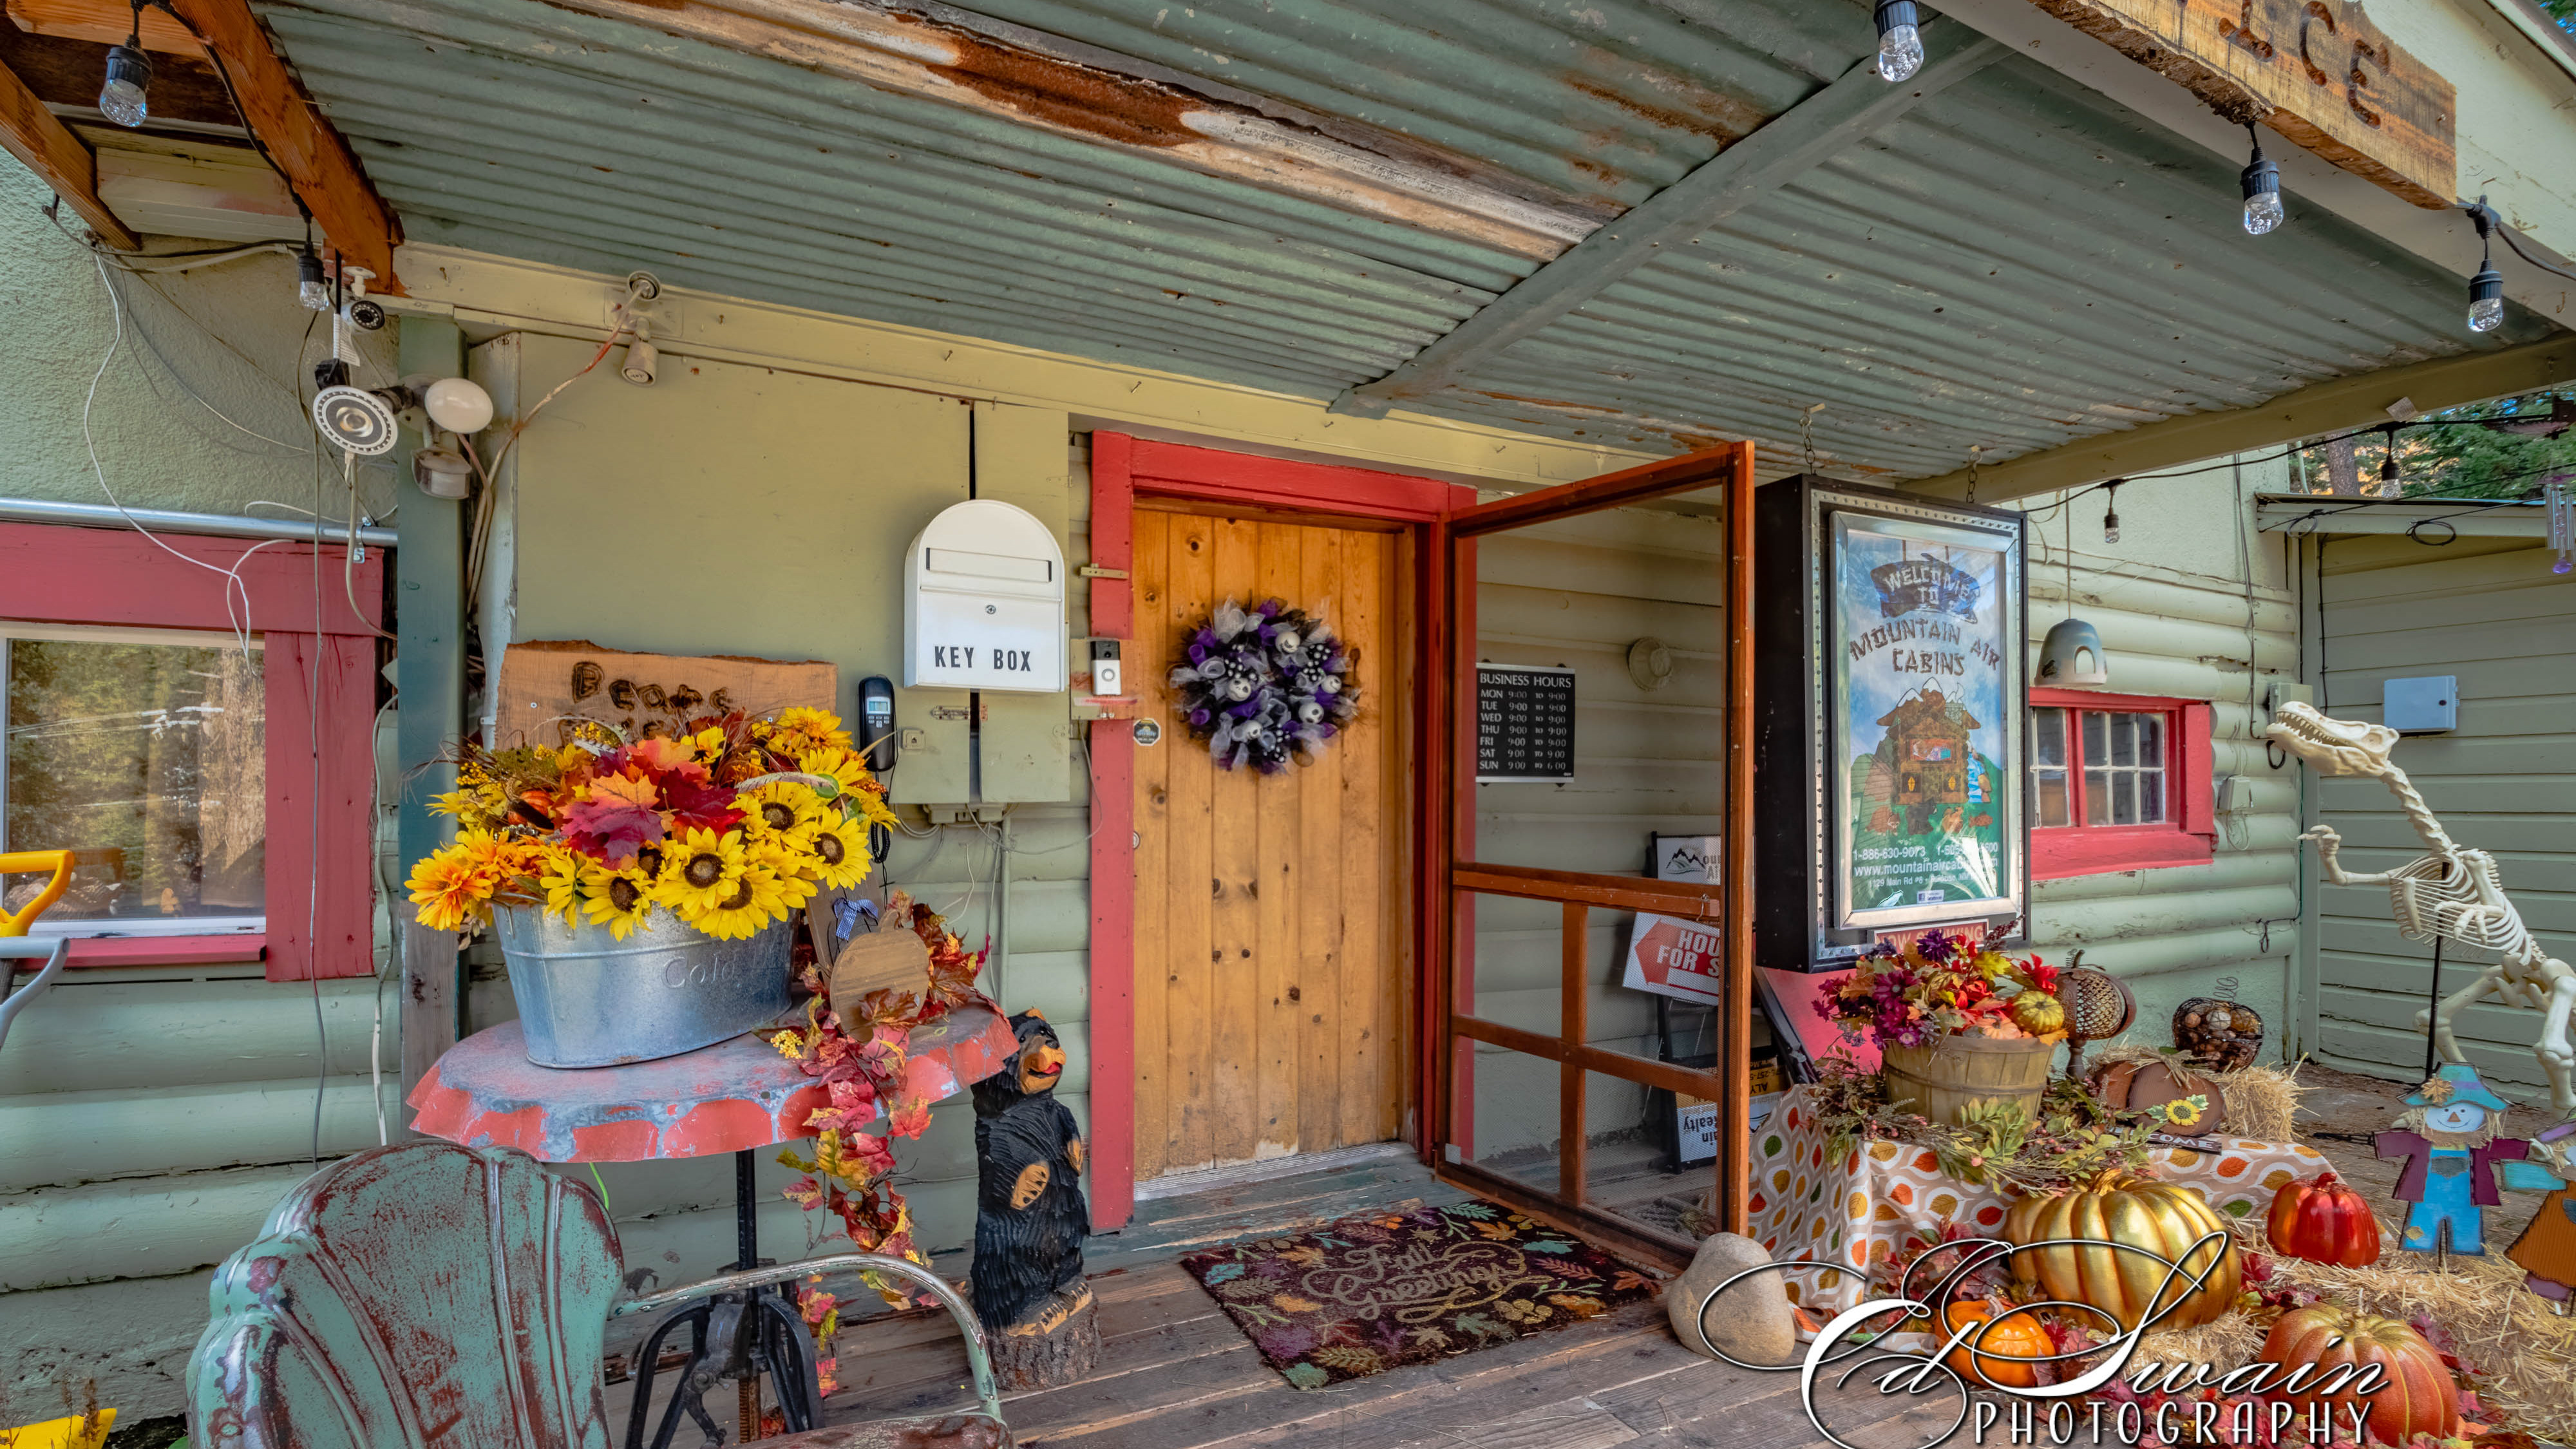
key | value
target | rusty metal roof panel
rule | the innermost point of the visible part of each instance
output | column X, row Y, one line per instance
column 2017, row 263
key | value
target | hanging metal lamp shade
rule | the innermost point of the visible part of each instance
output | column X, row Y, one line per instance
column 2071, row 657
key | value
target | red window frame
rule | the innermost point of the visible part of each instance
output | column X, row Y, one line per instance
column 2190, row 838
column 320, row 907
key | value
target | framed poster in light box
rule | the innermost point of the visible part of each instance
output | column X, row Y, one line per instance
column 1889, row 729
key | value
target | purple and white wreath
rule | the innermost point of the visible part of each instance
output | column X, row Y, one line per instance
column 1266, row 686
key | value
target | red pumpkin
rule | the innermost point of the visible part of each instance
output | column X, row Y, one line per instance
column 2416, row 1395
column 2324, row 1221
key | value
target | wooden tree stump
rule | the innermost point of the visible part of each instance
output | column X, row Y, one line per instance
column 1058, row 1344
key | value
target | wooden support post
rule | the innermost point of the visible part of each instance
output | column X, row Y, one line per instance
column 51, row 151
column 429, row 623
column 316, row 158
column 1735, row 1064
column 1573, row 1020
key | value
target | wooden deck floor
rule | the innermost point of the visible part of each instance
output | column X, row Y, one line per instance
column 1175, row 1373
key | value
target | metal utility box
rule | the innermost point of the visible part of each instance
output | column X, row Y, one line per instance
column 2426, row 705
column 983, row 602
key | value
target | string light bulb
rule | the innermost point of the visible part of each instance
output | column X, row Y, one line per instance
column 2262, row 186
column 125, row 97
column 1900, row 40
column 311, row 290
column 2388, row 463
column 2111, row 510
column 2486, row 289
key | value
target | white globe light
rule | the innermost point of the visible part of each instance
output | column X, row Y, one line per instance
column 458, row 405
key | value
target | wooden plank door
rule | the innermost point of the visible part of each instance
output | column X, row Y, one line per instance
column 1270, row 974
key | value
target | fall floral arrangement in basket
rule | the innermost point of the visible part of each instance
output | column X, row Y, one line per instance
column 1941, row 985
column 731, row 826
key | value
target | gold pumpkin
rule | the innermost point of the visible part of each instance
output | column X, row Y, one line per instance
column 2161, row 1217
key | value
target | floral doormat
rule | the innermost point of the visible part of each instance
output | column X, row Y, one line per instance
column 1365, row 1294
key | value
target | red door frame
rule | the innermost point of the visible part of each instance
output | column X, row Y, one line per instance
column 1123, row 469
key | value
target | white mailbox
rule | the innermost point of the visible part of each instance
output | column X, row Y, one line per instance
column 984, row 602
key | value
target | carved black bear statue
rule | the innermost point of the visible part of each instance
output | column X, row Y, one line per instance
column 1027, row 1281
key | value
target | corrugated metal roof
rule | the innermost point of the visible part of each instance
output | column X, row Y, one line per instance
column 2016, row 264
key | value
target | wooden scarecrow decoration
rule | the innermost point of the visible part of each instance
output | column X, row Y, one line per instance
column 2448, row 1138
column 1026, row 1283
column 2546, row 1251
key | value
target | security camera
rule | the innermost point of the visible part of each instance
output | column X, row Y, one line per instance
column 367, row 315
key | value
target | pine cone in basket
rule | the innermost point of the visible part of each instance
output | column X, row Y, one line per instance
column 2218, row 1035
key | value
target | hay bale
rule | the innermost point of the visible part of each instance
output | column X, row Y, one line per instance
column 2261, row 1102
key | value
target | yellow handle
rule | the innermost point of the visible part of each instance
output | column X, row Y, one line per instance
column 24, row 862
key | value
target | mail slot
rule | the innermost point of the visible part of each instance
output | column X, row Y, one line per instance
column 984, row 602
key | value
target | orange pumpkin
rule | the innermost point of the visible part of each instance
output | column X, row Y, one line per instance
column 2324, row 1221
column 2417, row 1395
column 2004, row 1354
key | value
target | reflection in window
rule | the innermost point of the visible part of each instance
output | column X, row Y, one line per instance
column 145, row 758
column 2098, row 767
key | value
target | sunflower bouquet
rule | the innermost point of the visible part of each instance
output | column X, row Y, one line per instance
column 1940, row 985
column 731, row 825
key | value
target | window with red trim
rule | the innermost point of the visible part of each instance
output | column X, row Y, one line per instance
column 2117, row 782
column 217, row 797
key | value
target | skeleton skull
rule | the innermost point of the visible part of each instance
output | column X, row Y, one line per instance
column 2334, row 746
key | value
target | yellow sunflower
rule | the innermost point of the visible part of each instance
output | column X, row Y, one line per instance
column 840, row 853
column 789, row 858
column 700, row 872
column 449, row 890
column 779, row 808
column 2185, row 1111
column 621, row 900
column 846, row 770
column 801, row 729
column 564, row 878
column 755, row 900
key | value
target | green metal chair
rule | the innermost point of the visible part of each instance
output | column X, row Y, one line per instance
column 432, row 1296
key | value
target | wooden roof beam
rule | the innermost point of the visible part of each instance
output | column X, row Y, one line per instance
column 51, row 151
column 1784, row 148
column 317, row 161
column 319, row 165
column 2346, row 402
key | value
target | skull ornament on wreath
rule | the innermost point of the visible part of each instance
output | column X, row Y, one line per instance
column 1265, row 686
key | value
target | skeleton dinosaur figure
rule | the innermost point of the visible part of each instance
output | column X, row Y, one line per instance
column 2453, row 894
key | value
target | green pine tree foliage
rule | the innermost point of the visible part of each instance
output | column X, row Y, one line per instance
column 2464, row 462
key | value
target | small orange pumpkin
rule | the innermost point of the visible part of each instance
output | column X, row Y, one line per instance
column 2323, row 1221
column 2004, row 1354
column 2417, row 1395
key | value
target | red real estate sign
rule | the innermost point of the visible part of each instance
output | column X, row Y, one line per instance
column 1675, row 958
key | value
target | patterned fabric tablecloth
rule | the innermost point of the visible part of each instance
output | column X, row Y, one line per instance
column 1859, row 1210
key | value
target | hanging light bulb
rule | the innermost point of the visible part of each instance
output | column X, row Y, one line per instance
column 2486, row 289
column 2262, row 184
column 2111, row 510
column 2388, row 464
column 310, row 288
column 124, row 98
column 1900, row 41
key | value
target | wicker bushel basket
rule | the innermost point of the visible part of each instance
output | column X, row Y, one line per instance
column 1955, row 1072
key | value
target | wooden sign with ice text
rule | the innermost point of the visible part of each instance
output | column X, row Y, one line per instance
column 2317, row 71
column 545, row 686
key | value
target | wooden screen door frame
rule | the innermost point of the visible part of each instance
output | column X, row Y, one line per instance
column 1447, row 909
column 1124, row 469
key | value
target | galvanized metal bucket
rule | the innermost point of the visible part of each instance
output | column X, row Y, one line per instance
column 587, row 999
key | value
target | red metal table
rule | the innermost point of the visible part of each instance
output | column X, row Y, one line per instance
column 737, row 1096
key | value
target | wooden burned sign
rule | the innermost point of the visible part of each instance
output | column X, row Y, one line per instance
column 547, row 686
column 2317, row 71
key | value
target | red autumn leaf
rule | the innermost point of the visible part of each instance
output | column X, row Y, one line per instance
column 610, row 829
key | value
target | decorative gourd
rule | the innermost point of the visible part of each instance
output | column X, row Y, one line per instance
column 2160, row 1217
column 2220, row 1035
column 2135, row 1086
column 2324, row 1221
column 2005, row 1354
column 2417, row 1395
